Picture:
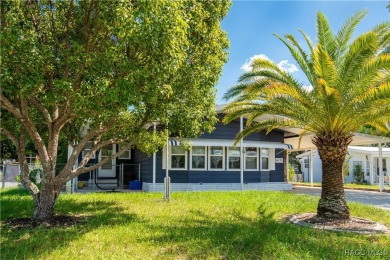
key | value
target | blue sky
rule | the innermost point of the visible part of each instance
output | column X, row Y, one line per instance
column 250, row 26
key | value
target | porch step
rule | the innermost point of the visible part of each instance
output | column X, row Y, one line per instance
column 106, row 181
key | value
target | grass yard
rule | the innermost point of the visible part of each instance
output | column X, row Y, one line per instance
column 199, row 225
column 356, row 186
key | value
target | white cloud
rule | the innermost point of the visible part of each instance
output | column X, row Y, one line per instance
column 248, row 64
column 287, row 67
column 308, row 88
column 284, row 64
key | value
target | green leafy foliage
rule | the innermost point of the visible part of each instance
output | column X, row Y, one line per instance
column 358, row 174
column 291, row 173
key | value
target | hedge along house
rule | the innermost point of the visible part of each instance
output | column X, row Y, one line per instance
column 366, row 158
column 211, row 163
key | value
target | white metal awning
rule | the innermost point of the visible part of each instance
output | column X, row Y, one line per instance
column 227, row 142
column 358, row 139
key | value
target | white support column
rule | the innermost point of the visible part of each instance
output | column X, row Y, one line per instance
column 286, row 165
column 69, row 183
column 154, row 164
column 311, row 167
column 371, row 169
column 167, row 181
column 241, row 155
column 380, row 165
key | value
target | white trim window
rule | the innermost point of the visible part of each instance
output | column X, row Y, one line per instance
column 178, row 158
column 306, row 162
column 234, row 158
column 216, row 158
column 265, row 162
column 251, row 155
column 87, row 148
column 126, row 154
column 198, row 158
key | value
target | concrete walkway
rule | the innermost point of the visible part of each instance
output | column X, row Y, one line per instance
column 377, row 199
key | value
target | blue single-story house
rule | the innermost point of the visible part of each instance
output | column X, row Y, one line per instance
column 259, row 161
column 212, row 162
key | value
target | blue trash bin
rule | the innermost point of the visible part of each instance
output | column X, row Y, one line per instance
column 135, row 185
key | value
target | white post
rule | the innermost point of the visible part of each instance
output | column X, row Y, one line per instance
column 371, row 169
column 311, row 167
column 241, row 156
column 167, row 181
column 154, row 164
column 69, row 183
column 380, row 165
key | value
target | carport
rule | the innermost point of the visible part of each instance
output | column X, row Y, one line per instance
column 302, row 141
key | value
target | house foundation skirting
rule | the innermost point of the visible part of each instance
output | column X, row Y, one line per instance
column 159, row 187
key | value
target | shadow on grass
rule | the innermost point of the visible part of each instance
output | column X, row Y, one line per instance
column 34, row 243
column 200, row 236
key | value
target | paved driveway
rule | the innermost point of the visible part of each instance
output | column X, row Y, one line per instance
column 377, row 199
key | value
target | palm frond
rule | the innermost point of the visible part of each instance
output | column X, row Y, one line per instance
column 267, row 125
column 325, row 35
column 308, row 41
column 324, row 66
column 363, row 48
column 299, row 55
column 345, row 33
column 235, row 110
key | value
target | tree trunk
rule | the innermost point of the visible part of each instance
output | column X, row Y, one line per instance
column 44, row 204
column 332, row 150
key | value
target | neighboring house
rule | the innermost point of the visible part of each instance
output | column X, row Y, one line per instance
column 211, row 163
column 366, row 157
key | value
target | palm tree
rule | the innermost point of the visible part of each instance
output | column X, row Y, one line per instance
column 350, row 88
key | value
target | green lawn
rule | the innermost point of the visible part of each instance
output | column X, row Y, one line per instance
column 199, row 225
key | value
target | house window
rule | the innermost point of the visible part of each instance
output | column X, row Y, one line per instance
column 306, row 162
column 367, row 168
column 178, row 158
column 234, row 158
column 264, row 158
column 198, row 158
column 126, row 154
column 251, row 158
column 105, row 152
column 216, row 158
column 88, row 148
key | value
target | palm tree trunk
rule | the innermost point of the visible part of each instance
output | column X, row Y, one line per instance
column 332, row 150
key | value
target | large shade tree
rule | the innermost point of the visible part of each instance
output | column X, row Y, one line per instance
column 350, row 88
column 105, row 71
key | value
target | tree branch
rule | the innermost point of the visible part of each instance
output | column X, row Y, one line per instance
column 41, row 109
column 35, row 136
column 5, row 103
column 82, row 169
column 10, row 136
column 97, row 132
column 24, row 169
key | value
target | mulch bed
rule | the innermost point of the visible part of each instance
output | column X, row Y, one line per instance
column 357, row 225
column 58, row 221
